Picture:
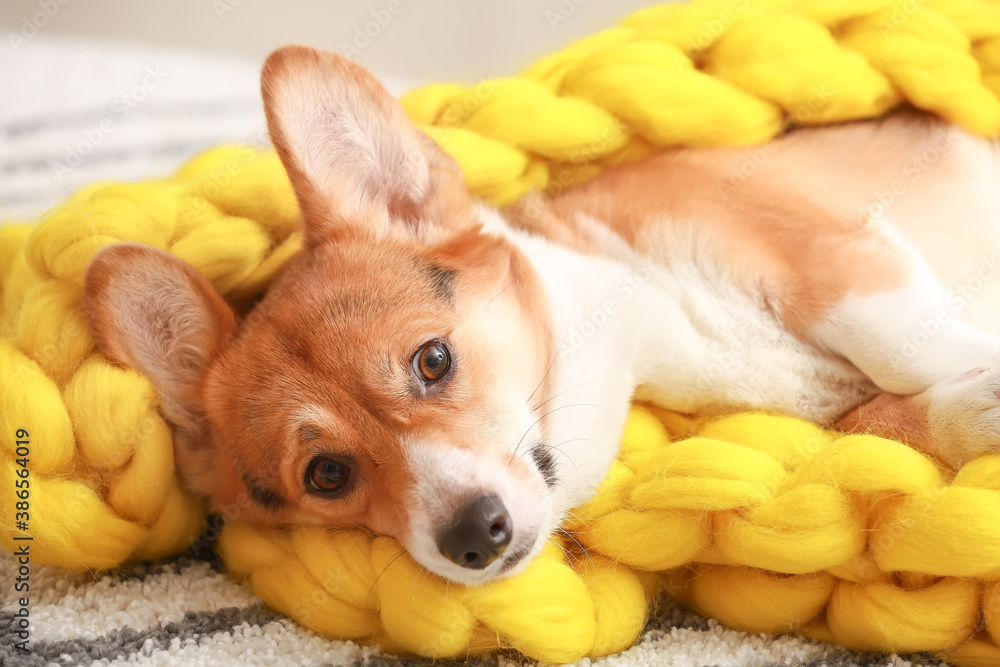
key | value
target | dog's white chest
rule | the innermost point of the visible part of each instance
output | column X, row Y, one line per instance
column 752, row 361
column 707, row 342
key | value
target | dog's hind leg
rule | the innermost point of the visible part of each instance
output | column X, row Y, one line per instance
column 908, row 338
column 940, row 375
column 956, row 419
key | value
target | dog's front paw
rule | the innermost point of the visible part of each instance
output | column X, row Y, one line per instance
column 963, row 415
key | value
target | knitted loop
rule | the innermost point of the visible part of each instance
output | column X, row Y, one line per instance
column 101, row 456
column 347, row 583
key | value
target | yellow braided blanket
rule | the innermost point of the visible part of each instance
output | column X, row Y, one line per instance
column 766, row 523
column 715, row 73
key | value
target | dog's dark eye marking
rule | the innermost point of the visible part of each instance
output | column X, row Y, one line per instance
column 262, row 494
column 542, row 455
column 356, row 305
column 310, row 433
column 444, row 282
column 295, row 346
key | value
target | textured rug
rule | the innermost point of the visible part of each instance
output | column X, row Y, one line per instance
column 185, row 612
column 84, row 112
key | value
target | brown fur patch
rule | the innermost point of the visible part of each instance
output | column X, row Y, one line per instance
column 802, row 256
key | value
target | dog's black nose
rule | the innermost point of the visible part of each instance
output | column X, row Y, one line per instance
column 481, row 532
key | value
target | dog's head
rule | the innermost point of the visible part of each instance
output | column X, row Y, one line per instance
column 390, row 377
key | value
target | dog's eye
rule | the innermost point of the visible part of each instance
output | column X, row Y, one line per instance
column 432, row 361
column 326, row 475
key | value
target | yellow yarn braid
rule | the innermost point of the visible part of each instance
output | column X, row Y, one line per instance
column 715, row 73
column 766, row 523
column 100, row 458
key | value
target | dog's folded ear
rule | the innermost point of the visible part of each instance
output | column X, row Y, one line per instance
column 152, row 312
column 353, row 157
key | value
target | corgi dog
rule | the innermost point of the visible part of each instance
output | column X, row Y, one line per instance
column 458, row 377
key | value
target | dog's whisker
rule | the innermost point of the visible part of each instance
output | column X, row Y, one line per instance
column 576, row 517
column 583, row 550
column 387, row 566
column 543, row 416
column 548, row 369
column 497, row 295
column 421, row 572
column 566, row 391
column 564, row 454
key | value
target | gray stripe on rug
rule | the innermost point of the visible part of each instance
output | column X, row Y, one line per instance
column 849, row 659
column 873, row 660
column 125, row 641
column 142, row 571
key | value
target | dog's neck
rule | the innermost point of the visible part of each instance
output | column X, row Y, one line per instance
column 614, row 328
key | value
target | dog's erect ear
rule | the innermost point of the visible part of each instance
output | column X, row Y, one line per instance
column 152, row 312
column 352, row 155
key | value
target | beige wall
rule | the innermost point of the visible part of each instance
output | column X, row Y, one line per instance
column 415, row 40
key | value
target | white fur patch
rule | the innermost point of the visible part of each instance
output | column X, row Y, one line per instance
column 682, row 333
column 910, row 338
